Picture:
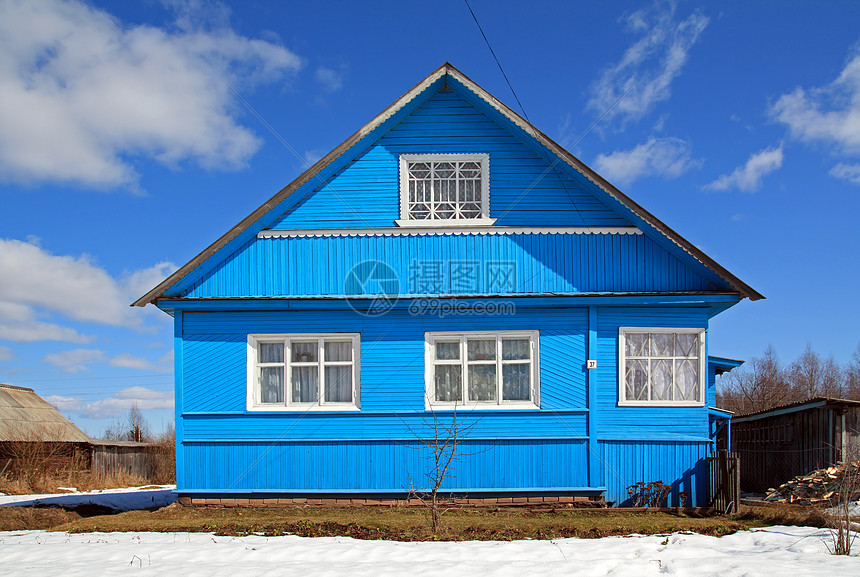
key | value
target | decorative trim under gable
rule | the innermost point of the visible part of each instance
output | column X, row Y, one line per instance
column 447, row 230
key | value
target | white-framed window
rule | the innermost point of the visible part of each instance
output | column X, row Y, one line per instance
column 303, row 371
column 445, row 190
column 483, row 370
column 661, row 366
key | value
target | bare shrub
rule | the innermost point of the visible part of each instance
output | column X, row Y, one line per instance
column 162, row 457
column 842, row 531
column 442, row 442
column 35, row 457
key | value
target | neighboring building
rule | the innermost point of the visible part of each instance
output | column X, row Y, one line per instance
column 27, row 417
column 448, row 254
column 781, row 443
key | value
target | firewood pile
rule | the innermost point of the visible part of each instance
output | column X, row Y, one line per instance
column 820, row 487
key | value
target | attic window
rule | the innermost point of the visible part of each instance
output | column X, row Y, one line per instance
column 444, row 190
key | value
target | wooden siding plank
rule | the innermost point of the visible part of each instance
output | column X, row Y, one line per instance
column 279, row 266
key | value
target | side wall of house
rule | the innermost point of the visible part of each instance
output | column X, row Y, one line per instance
column 578, row 440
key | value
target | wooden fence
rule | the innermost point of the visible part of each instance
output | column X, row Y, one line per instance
column 725, row 481
column 121, row 458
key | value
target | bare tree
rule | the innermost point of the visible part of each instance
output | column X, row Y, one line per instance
column 132, row 427
column 852, row 376
column 757, row 386
column 442, row 439
column 138, row 429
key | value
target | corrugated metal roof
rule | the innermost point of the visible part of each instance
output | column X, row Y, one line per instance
column 25, row 416
column 813, row 403
column 742, row 288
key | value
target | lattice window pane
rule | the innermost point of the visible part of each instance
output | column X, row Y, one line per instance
column 686, row 345
column 661, row 380
column 687, row 379
column 636, row 344
column 443, row 190
column 636, row 380
column 662, row 344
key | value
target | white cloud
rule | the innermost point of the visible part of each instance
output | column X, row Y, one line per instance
column 749, row 176
column 7, row 354
column 145, row 398
column 849, row 172
column 81, row 93
column 34, row 282
column 331, row 80
column 667, row 157
column 129, row 361
column 76, row 360
column 648, row 67
column 828, row 114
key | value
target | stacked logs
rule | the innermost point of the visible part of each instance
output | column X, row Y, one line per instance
column 820, row 487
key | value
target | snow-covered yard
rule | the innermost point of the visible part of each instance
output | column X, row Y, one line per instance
column 780, row 551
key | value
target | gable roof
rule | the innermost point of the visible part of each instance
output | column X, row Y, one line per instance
column 25, row 416
column 444, row 75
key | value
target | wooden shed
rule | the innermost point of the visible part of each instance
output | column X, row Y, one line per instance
column 783, row 442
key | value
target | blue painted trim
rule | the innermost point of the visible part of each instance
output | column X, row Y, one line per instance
column 397, row 491
column 656, row 439
column 357, row 440
column 381, row 412
column 594, row 473
column 178, row 387
column 572, row 300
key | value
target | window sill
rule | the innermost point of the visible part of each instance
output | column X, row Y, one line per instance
column 464, row 222
column 311, row 408
column 481, row 407
column 658, row 404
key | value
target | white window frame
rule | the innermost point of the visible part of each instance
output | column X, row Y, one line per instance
column 482, row 158
column 430, row 339
column 622, row 367
column 254, row 393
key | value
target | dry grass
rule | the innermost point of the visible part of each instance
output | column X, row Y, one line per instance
column 82, row 480
column 397, row 524
column 29, row 518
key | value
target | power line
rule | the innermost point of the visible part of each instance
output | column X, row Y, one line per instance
column 493, row 52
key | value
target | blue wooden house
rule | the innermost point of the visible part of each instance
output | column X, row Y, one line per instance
column 447, row 261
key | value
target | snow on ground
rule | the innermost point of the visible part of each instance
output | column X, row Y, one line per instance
column 125, row 499
column 778, row 551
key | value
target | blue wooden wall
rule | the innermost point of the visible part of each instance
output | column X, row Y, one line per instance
column 226, row 449
column 543, row 264
column 523, row 189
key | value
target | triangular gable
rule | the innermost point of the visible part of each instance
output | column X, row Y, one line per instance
column 525, row 189
column 271, row 211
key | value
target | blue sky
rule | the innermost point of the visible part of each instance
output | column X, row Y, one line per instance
column 124, row 150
